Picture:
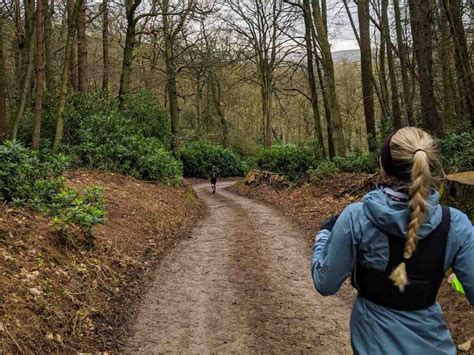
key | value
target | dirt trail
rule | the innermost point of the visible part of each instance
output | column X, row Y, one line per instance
column 240, row 283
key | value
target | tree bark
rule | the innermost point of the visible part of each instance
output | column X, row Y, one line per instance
column 81, row 47
column 73, row 78
column 39, row 74
column 3, row 92
column 366, row 73
column 328, row 67
column 105, row 45
column 421, row 20
column 318, row 133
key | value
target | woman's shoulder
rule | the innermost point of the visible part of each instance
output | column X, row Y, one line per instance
column 461, row 226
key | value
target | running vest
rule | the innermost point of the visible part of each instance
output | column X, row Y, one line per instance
column 425, row 270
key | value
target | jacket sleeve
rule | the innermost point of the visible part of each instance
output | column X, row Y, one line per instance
column 334, row 254
column 463, row 264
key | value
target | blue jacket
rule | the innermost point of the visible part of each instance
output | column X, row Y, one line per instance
column 359, row 235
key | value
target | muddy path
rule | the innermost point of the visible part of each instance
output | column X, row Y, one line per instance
column 240, row 283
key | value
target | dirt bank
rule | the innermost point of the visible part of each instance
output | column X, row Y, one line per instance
column 55, row 299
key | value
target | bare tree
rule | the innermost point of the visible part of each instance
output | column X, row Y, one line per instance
column 3, row 92
column 328, row 68
column 421, row 27
column 81, row 46
column 105, row 45
column 39, row 79
column 261, row 26
column 71, row 15
column 366, row 72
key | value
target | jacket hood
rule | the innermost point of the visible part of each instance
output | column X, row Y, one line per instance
column 391, row 216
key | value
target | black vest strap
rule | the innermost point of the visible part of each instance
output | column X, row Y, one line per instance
column 425, row 270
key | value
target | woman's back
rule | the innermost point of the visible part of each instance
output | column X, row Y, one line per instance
column 365, row 234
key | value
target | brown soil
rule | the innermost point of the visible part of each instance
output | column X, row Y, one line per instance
column 59, row 299
column 309, row 205
column 241, row 283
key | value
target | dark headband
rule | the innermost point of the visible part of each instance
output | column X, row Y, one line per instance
column 400, row 170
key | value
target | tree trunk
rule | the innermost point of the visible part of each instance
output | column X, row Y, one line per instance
column 73, row 78
column 318, row 133
column 25, row 86
column 328, row 66
column 72, row 8
column 81, row 47
column 421, row 19
column 217, row 98
column 48, row 49
column 127, row 58
column 396, row 113
column 3, row 92
column 173, row 104
column 39, row 74
column 366, row 72
column 444, row 49
column 105, row 45
column 404, row 60
column 267, row 93
column 461, row 55
column 383, row 77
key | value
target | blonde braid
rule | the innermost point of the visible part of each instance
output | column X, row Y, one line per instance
column 415, row 145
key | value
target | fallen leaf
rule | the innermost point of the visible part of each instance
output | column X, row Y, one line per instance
column 465, row 347
column 35, row 291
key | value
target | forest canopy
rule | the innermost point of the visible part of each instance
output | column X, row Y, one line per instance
column 242, row 74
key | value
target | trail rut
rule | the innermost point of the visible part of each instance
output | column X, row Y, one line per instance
column 240, row 283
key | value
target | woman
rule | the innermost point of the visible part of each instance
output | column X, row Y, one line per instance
column 397, row 245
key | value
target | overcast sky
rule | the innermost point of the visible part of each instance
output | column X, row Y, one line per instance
column 340, row 31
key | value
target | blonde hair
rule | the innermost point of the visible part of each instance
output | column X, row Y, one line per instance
column 415, row 146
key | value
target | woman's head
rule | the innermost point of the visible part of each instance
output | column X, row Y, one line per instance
column 409, row 159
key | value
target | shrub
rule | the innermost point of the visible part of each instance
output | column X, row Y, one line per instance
column 357, row 162
column 147, row 117
column 457, row 152
column 140, row 115
column 287, row 160
column 198, row 159
column 326, row 169
column 33, row 179
column 123, row 151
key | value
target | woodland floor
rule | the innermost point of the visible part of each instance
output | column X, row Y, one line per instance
column 58, row 299
column 309, row 205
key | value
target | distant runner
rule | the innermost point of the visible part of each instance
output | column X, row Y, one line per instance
column 214, row 174
column 397, row 244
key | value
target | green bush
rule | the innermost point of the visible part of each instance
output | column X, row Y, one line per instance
column 147, row 117
column 198, row 159
column 288, row 160
column 457, row 152
column 34, row 180
column 111, row 145
column 357, row 162
column 326, row 169
column 140, row 115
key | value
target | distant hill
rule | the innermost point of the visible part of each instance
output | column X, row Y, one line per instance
column 351, row 55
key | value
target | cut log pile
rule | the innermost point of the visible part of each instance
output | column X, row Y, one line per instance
column 458, row 191
column 259, row 177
